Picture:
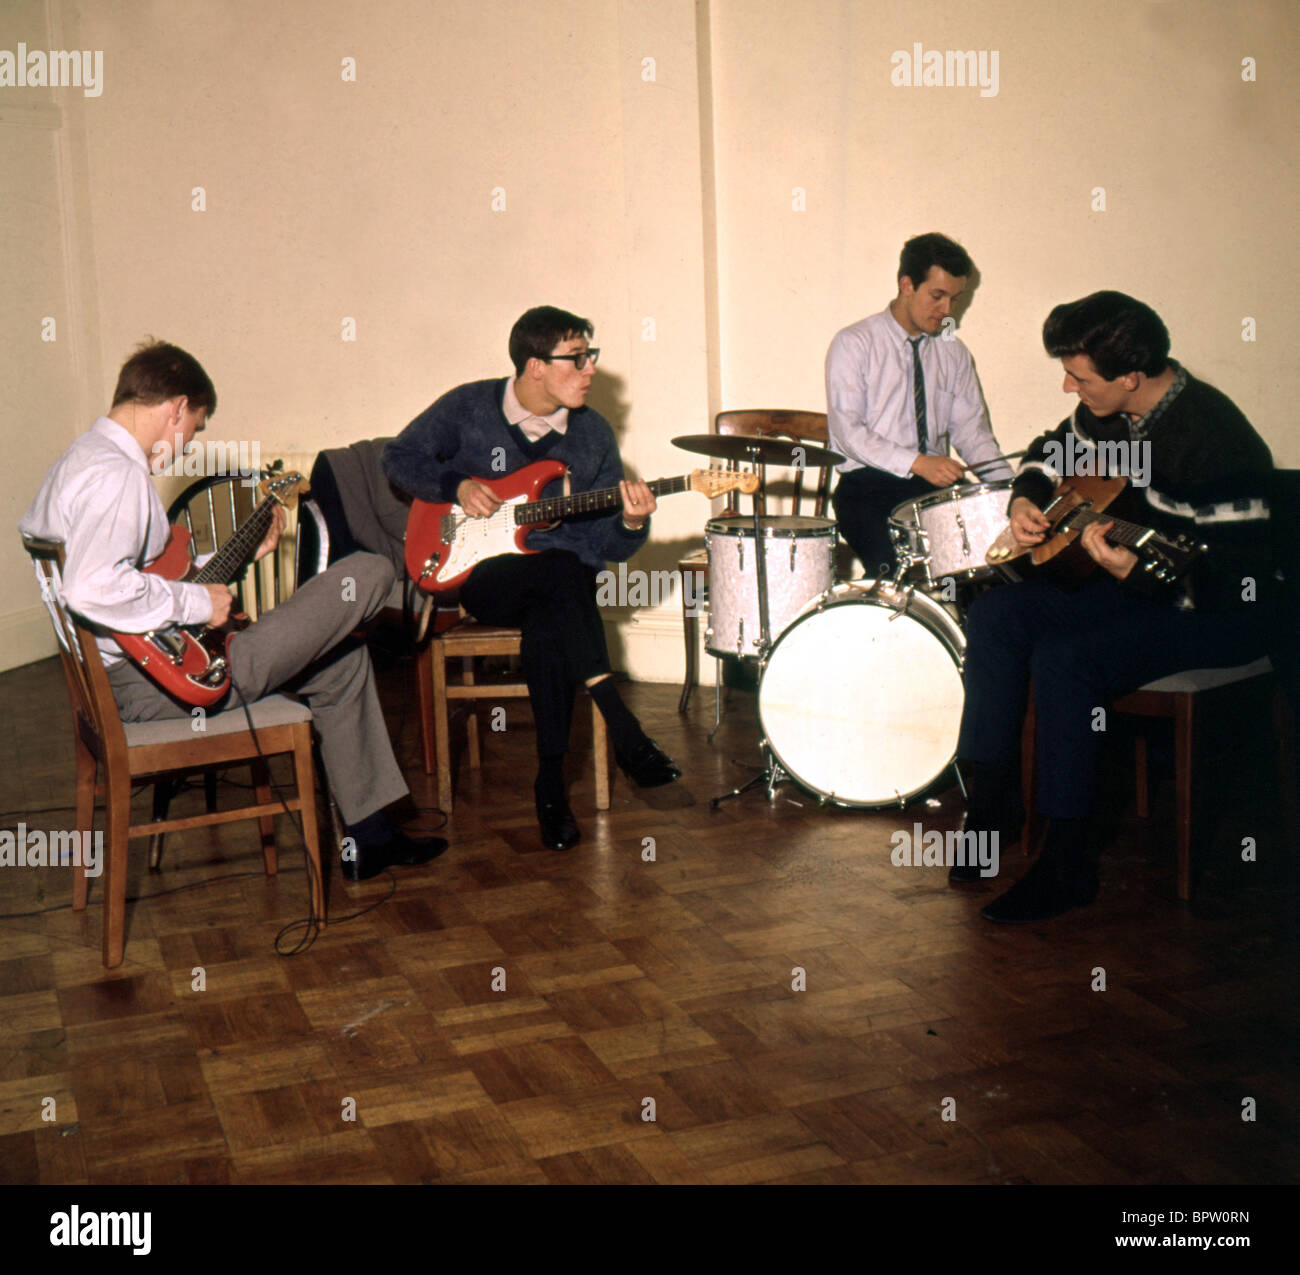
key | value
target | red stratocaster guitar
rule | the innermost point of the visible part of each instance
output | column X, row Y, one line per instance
column 190, row 660
column 1074, row 505
column 444, row 544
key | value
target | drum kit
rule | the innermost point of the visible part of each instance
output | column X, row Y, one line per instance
column 860, row 683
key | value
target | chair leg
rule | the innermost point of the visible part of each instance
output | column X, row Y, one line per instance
column 306, row 783
column 441, row 728
column 86, row 769
column 163, row 792
column 1142, row 777
column 424, row 702
column 118, row 820
column 266, row 823
column 471, row 722
column 600, row 749
column 690, row 628
column 1184, row 731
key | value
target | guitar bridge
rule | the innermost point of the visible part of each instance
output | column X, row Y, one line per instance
column 212, row 676
column 169, row 643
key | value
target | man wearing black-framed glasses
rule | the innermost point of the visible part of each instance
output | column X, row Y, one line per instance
column 489, row 429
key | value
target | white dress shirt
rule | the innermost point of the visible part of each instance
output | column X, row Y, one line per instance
column 869, row 402
column 99, row 501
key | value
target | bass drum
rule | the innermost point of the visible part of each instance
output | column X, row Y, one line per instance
column 861, row 698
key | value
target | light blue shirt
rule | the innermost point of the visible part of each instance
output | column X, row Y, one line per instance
column 869, row 402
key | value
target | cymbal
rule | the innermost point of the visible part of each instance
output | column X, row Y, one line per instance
column 763, row 451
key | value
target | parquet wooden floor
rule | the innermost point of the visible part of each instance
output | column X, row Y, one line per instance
column 507, row 1014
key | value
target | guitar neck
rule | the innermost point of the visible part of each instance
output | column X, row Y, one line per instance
column 1124, row 533
column 228, row 563
column 556, row 507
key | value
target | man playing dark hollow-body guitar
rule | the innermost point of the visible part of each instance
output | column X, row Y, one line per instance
column 490, row 429
column 1196, row 467
column 97, row 499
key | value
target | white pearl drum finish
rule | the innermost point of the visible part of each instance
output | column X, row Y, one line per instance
column 798, row 552
column 861, row 698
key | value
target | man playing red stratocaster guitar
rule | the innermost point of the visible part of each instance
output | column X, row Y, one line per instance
column 1196, row 467
column 488, row 429
column 98, row 500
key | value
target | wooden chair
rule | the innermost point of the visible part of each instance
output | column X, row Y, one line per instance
column 458, row 636
column 211, row 509
column 796, row 426
column 1187, row 697
column 135, row 750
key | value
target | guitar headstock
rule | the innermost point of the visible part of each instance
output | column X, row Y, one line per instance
column 1169, row 560
column 284, row 489
column 718, row 482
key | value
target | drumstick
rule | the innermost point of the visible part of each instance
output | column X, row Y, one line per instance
column 994, row 460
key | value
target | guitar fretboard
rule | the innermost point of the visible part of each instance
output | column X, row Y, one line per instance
column 1125, row 533
column 228, row 563
column 557, row 507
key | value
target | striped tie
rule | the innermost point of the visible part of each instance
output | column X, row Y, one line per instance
column 918, row 394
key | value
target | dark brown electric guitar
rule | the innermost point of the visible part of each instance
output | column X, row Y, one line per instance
column 1075, row 504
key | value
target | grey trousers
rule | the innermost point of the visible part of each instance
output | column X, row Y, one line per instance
column 296, row 647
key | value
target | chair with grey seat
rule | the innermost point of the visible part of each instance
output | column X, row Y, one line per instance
column 128, row 752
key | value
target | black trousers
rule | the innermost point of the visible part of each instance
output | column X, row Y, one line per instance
column 1083, row 650
column 863, row 502
column 551, row 596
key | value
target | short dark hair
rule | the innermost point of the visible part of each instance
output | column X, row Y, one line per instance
column 1119, row 334
column 538, row 331
column 158, row 371
column 924, row 251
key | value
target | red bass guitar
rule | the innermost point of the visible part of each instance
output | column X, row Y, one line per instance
column 189, row 661
column 444, row 544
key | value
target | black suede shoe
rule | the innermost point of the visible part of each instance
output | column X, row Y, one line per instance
column 1064, row 877
column 647, row 765
column 559, row 828
column 399, row 850
column 1038, row 896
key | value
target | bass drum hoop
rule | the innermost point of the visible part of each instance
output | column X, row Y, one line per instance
column 908, row 604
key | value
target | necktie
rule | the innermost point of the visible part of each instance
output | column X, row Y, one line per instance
column 918, row 394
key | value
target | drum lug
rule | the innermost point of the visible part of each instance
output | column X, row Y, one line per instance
column 794, row 550
column 740, row 554
column 740, row 634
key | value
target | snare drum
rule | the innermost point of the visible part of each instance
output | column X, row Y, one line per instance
column 797, row 552
column 948, row 532
column 861, row 698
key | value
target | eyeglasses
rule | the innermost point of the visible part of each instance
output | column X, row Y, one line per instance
column 578, row 360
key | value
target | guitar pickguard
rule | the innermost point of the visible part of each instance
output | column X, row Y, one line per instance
column 471, row 540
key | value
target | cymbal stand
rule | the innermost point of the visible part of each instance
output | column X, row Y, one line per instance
column 770, row 774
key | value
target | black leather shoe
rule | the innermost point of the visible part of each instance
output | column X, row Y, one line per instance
column 647, row 765
column 967, row 873
column 1045, row 891
column 399, row 850
column 559, row 828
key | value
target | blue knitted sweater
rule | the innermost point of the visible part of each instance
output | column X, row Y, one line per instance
column 465, row 434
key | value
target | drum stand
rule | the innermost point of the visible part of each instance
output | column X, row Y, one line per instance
column 770, row 773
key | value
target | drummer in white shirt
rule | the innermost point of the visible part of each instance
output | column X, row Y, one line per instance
column 901, row 390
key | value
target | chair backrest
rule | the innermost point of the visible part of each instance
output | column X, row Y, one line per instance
column 1284, row 528
column 211, row 509
column 796, row 426
column 94, row 709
